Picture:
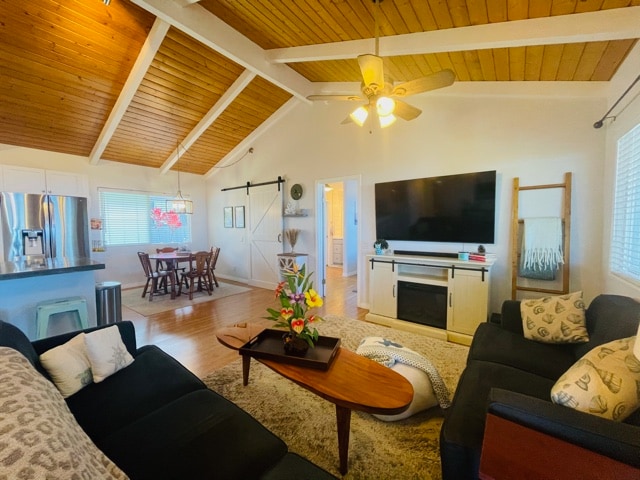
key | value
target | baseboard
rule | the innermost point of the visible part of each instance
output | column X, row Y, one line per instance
column 407, row 326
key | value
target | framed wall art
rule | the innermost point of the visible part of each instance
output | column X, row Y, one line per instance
column 228, row 217
column 240, row 217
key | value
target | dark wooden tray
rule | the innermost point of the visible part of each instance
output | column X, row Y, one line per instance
column 269, row 345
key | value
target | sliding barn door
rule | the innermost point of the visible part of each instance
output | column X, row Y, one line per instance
column 265, row 227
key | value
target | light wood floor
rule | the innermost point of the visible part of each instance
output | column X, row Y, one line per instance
column 188, row 333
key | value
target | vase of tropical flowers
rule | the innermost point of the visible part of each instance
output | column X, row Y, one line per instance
column 297, row 298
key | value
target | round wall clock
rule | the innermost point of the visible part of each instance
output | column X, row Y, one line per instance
column 296, row 191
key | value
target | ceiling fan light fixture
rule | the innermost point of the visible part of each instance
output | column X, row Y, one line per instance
column 385, row 106
column 387, row 120
column 359, row 115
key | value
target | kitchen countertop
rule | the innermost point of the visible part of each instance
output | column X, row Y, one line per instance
column 36, row 267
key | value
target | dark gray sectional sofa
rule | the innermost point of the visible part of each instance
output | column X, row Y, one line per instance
column 510, row 376
column 156, row 420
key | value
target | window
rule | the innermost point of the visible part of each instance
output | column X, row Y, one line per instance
column 625, row 241
column 137, row 218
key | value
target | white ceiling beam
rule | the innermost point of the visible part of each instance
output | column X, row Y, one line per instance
column 139, row 70
column 613, row 24
column 245, row 144
column 208, row 29
column 234, row 90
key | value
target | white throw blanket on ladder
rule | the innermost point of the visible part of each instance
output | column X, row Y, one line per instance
column 542, row 243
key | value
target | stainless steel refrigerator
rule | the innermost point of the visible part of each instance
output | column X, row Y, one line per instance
column 43, row 225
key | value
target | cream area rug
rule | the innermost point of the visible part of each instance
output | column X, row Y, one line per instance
column 406, row 449
column 132, row 299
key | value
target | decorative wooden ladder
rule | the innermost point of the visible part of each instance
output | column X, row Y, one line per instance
column 517, row 226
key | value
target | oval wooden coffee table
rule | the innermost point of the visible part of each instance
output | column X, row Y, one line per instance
column 352, row 382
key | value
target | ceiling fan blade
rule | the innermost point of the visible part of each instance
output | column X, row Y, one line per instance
column 440, row 79
column 406, row 111
column 340, row 98
column 372, row 70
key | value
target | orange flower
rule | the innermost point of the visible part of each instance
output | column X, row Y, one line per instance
column 286, row 313
column 279, row 288
column 297, row 325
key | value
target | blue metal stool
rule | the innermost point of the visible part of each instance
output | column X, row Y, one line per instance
column 46, row 309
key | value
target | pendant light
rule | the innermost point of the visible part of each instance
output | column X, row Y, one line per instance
column 179, row 204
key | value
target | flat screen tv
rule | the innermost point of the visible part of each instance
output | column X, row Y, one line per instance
column 452, row 208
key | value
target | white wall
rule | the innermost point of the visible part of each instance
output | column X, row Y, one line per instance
column 535, row 137
column 122, row 263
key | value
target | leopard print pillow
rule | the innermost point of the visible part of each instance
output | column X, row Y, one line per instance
column 40, row 437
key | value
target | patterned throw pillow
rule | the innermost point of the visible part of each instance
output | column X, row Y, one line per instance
column 558, row 319
column 107, row 352
column 604, row 382
column 40, row 437
column 68, row 366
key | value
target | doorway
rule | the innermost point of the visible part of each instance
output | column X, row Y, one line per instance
column 338, row 232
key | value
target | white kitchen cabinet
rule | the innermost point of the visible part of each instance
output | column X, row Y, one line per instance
column 36, row 180
column 382, row 292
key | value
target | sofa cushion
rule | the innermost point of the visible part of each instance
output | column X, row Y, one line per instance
column 106, row 352
column 465, row 420
column 492, row 343
column 68, row 366
column 609, row 317
column 40, row 437
column 151, row 381
column 293, row 467
column 200, row 435
column 605, row 382
column 555, row 319
column 12, row 337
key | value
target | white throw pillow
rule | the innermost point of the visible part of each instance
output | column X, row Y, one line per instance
column 604, row 382
column 68, row 366
column 556, row 319
column 107, row 352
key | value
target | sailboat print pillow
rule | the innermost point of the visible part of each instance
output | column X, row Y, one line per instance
column 604, row 382
column 555, row 319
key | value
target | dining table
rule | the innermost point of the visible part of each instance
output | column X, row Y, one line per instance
column 172, row 261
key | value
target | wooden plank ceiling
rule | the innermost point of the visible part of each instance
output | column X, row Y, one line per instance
column 167, row 84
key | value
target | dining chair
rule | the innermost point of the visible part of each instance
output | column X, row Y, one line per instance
column 199, row 271
column 153, row 277
column 212, row 266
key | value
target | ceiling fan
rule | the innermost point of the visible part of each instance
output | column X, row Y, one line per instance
column 381, row 94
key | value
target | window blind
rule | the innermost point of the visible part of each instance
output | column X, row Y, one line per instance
column 127, row 219
column 625, row 241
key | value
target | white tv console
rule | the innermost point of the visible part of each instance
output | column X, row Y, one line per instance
column 467, row 292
